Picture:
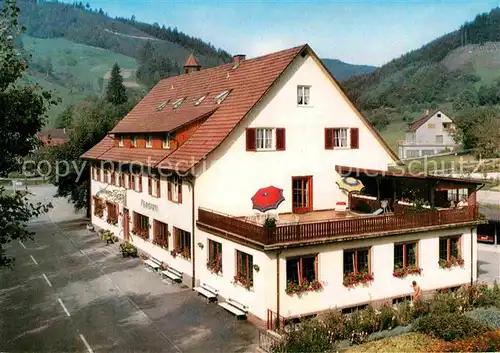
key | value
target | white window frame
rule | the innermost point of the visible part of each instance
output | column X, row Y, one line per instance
column 267, row 139
column 120, row 141
column 176, row 104
column 166, row 142
column 154, row 185
column 338, row 138
column 136, row 181
column 149, row 141
column 439, row 139
column 162, row 105
column 134, row 141
column 221, row 96
column 176, row 184
column 303, row 95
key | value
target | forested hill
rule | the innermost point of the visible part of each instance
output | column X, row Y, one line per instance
column 167, row 48
column 439, row 73
column 342, row 70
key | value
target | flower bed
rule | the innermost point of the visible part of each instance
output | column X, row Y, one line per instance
column 453, row 262
column 353, row 279
column 142, row 233
column 401, row 272
column 243, row 281
column 214, row 266
column 304, row 287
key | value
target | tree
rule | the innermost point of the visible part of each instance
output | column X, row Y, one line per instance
column 65, row 118
column 466, row 99
column 116, row 92
column 23, row 115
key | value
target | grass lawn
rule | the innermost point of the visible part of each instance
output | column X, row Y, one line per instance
column 410, row 342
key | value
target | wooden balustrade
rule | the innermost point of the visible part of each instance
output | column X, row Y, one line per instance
column 305, row 231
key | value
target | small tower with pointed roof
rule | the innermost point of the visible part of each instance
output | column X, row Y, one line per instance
column 191, row 65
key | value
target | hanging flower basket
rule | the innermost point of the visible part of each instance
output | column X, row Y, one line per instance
column 353, row 279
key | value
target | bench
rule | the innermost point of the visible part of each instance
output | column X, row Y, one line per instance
column 173, row 274
column 235, row 307
column 209, row 292
column 155, row 264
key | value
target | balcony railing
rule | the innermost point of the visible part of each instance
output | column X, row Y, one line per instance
column 309, row 231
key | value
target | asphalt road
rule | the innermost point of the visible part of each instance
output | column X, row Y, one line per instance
column 69, row 292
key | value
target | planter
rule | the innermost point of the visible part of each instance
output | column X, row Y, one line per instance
column 128, row 249
column 304, row 287
column 402, row 272
column 453, row 262
column 243, row 281
column 354, row 279
column 214, row 266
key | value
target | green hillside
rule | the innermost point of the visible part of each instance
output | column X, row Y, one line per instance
column 342, row 70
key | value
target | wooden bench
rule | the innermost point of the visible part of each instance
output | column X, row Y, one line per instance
column 235, row 307
column 173, row 274
column 208, row 291
column 155, row 264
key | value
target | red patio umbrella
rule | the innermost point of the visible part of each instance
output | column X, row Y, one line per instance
column 268, row 198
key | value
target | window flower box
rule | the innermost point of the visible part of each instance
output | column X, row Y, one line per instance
column 401, row 272
column 112, row 219
column 304, row 287
column 142, row 233
column 243, row 281
column 99, row 209
column 214, row 266
column 353, row 279
column 161, row 242
column 452, row 262
column 184, row 253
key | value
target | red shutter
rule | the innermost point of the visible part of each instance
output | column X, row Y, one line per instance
column 179, row 192
column 280, row 139
column 150, row 186
column 132, row 181
column 251, row 139
column 158, row 193
column 354, row 138
column 98, row 174
column 329, row 138
column 120, row 180
column 113, row 178
column 140, row 182
column 169, row 190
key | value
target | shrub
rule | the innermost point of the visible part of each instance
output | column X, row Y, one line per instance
column 449, row 326
column 387, row 318
column 489, row 317
column 404, row 313
column 486, row 342
column 312, row 336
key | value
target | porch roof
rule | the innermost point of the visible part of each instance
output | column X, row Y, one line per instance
column 345, row 170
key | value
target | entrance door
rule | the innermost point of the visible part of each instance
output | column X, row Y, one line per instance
column 302, row 194
column 126, row 224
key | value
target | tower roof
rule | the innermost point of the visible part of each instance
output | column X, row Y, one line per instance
column 191, row 61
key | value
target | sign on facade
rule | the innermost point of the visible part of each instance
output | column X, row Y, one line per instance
column 149, row 205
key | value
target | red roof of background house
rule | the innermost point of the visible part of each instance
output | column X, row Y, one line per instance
column 421, row 121
column 248, row 83
column 55, row 135
column 191, row 61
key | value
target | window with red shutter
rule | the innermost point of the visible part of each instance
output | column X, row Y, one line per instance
column 280, row 139
column 113, row 178
column 132, row 181
column 140, row 182
column 169, row 191
column 158, row 193
column 250, row 139
column 150, row 186
column 179, row 192
column 98, row 174
column 354, row 138
column 329, row 138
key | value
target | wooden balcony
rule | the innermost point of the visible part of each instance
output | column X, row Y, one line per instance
column 303, row 232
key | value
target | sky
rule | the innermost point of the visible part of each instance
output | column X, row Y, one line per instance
column 358, row 32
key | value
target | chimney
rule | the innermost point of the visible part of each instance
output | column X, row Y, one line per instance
column 238, row 59
column 191, row 65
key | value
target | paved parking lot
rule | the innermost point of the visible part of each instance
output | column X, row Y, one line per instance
column 71, row 292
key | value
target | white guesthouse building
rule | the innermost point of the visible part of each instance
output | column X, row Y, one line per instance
column 209, row 139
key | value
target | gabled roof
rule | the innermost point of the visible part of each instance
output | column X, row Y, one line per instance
column 96, row 151
column 248, row 83
column 55, row 133
column 191, row 61
column 423, row 119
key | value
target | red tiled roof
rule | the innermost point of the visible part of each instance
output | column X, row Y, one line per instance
column 145, row 156
column 166, row 119
column 96, row 151
column 191, row 61
column 55, row 134
column 421, row 121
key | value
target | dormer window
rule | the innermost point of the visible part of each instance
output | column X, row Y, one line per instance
column 161, row 106
column 198, row 102
column 220, row 97
column 166, row 142
column 149, row 141
column 134, row 141
column 120, row 141
column 177, row 103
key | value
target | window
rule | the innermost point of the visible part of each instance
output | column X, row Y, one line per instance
column 398, row 300
column 154, row 186
column 134, row 141
column 412, row 153
column 265, row 139
column 136, row 182
column 120, row 141
column 149, row 141
column 160, row 231
column 182, row 241
column 214, row 263
column 302, row 194
column 244, row 266
column 112, row 210
column 357, row 261
column 458, row 195
column 411, row 137
column 98, row 207
column 439, row 115
column 161, row 106
column 431, row 126
column 141, row 225
column 405, row 255
column 447, row 126
column 175, row 189
column 301, row 269
column 166, row 142
column 220, row 97
column 125, row 180
column 449, row 248
column 176, row 104
column 427, row 153
column 340, row 138
column 201, row 99
column 439, row 139
column 303, row 95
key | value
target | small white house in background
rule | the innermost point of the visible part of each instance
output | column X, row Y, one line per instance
column 429, row 135
column 212, row 138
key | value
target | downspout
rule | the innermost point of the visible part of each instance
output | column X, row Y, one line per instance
column 193, row 247
column 278, row 288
